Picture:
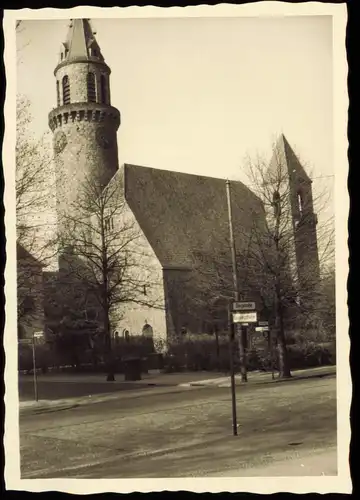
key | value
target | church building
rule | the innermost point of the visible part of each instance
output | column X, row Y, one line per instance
column 181, row 217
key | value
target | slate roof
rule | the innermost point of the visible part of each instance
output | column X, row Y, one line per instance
column 181, row 213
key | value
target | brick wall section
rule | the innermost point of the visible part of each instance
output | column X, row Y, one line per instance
column 83, row 156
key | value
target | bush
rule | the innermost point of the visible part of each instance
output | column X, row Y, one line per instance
column 200, row 353
column 135, row 347
column 43, row 357
column 310, row 354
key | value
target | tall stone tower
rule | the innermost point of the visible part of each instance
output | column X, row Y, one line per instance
column 84, row 124
column 302, row 218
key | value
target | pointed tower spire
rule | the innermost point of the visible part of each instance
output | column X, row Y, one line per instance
column 288, row 176
column 80, row 43
column 292, row 162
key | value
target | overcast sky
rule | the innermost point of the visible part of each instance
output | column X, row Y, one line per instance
column 198, row 94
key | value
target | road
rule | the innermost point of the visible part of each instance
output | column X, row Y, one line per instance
column 184, row 433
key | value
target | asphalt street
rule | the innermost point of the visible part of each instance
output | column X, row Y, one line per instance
column 185, row 433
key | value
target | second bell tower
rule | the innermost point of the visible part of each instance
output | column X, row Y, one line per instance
column 84, row 124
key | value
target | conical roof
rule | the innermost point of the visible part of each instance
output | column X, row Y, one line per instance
column 80, row 42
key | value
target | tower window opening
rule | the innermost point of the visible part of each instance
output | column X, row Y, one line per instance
column 58, row 92
column 108, row 224
column 66, row 90
column 276, row 203
column 300, row 203
column 91, row 87
column 94, row 52
column 103, row 89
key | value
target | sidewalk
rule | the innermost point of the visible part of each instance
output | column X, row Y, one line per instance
column 264, row 378
column 159, row 383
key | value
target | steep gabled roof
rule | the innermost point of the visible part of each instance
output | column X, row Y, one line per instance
column 181, row 214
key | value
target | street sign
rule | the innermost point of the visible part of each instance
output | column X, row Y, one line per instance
column 25, row 341
column 245, row 317
column 38, row 335
column 244, row 306
column 261, row 328
column 263, row 323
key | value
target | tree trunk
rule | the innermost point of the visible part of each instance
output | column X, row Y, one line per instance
column 217, row 347
column 284, row 368
column 110, row 362
column 242, row 352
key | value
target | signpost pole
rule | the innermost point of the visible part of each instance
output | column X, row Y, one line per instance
column 232, row 372
column 34, row 369
column 272, row 355
column 236, row 284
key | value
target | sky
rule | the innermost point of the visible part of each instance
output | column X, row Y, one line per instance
column 197, row 95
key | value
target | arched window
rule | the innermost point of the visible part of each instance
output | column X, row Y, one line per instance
column 103, row 89
column 147, row 330
column 91, row 87
column 66, row 90
column 58, row 92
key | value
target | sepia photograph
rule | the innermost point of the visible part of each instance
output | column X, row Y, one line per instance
column 179, row 246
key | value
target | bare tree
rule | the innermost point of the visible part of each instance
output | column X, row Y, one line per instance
column 33, row 200
column 101, row 246
column 33, row 163
column 284, row 263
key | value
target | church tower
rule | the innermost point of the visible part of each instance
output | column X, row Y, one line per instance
column 303, row 219
column 84, row 124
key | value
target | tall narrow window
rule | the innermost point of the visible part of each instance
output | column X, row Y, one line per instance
column 91, row 87
column 58, row 92
column 108, row 224
column 66, row 90
column 103, row 89
column 300, row 203
column 276, row 204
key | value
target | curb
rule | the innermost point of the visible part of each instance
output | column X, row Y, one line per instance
column 223, row 384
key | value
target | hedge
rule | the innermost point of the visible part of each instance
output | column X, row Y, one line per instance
column 189, row 354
